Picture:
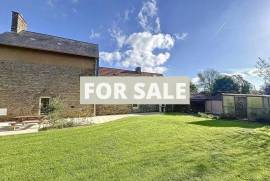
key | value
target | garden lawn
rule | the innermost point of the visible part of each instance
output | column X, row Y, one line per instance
column 157, row 147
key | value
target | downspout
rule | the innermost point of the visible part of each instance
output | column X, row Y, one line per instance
column 96, row 74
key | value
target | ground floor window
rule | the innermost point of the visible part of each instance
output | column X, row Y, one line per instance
column 135, row 106
column 44, row 105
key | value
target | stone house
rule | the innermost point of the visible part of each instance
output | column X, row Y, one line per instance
column 125, row 108
column 35, row 67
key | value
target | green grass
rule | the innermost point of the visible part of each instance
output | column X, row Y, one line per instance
column 159, row 147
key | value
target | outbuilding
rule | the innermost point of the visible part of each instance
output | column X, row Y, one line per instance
column 241, row 106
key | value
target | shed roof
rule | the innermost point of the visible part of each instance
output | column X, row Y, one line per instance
column 203, row 97
column 32, row 40
column 245, row 95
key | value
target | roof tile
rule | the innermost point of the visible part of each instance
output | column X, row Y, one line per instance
column 27, row 39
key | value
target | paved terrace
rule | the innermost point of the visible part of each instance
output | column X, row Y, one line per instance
column 6, row 130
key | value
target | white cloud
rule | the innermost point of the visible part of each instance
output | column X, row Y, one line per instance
column 149, row 49
column 246, row 72
column 220, row 29
column 181, row 36
column 74, row 10
column 51, row 3
column 195, row 80
column 118, row 35
column 110, row 56
column 250, row 74
column 74, row 1
column 155, row 69
column 145, row 41
column 157, row 25
column 148, row 17
column 138, row 50
column 94, row 34
column 127, row 14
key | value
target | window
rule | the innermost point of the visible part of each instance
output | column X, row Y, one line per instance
column 44, row 105
column 3, row 111
column 266, row 102
column 135, row 106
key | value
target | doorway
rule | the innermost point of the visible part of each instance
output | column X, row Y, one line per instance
column 44, row 104
column 241, row 107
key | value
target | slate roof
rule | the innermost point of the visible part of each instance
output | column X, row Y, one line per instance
column 105, row 71
column 27, row 39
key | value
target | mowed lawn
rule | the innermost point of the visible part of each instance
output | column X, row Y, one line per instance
column 157, row 147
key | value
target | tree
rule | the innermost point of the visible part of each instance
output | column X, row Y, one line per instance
column 263, row 68
column 245, row 86
column 225, row 84
column 193, row 88
column 257, row 92
column 207, row 79
column 266, row 89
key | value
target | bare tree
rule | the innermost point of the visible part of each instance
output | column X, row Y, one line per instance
column 207, row 79
column 244, row 86
column 263, row 68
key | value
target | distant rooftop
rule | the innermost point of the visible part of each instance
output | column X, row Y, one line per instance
column 105, row 71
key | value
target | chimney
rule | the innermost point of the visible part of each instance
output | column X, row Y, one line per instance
column 138, row 70
column 18, row 24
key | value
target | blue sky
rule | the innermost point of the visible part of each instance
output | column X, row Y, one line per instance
column 176, row 37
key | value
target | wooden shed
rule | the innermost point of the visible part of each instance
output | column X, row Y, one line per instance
column 214, row 106
column 241, row 106
column 246, row 106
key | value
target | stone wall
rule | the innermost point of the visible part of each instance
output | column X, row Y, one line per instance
column 22, row 84
column 102, row 109
column 124, row 109
column 24, row 55
column 144, row 108
column 26, row 75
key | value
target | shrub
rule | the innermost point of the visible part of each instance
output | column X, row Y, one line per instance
column 56, row 115
column 60, row 125
column 265, row 118
column 182, row 108
column 211, row 116
column 56, row 111
column 227, row 116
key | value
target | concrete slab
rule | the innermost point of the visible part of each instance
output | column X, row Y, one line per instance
column 105, row 119
column 6, row 130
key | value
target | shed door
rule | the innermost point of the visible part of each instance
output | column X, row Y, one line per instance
column 241, row 107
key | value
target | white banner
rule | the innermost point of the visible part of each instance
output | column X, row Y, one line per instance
column 135, row 90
